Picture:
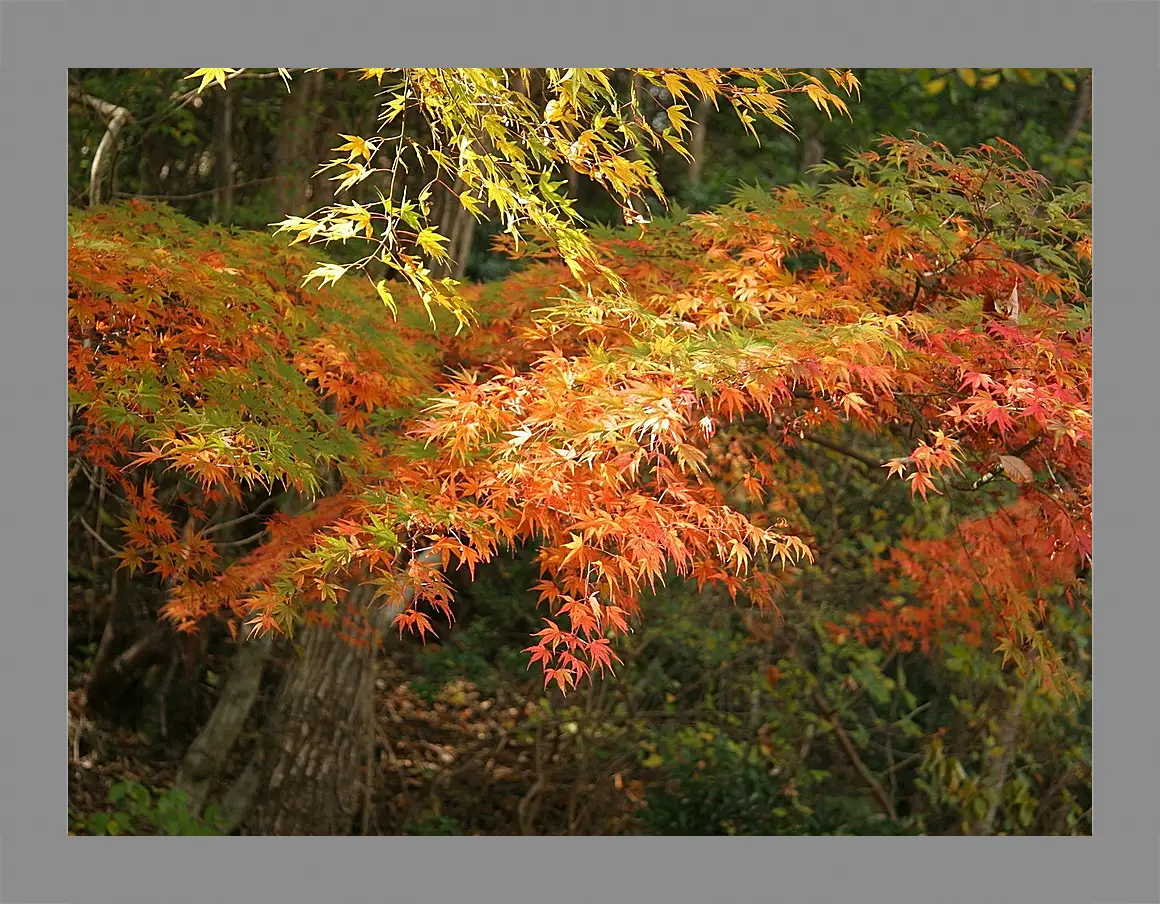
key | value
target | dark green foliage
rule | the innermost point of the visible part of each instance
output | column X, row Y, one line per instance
column 434, row 825
column 732, row 791
column 139, row 810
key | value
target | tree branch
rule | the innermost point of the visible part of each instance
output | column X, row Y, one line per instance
column 209, row 750
column 102, row 160
column 1083, row 109
column 104, row 543
column 851, row 751
column 841, row 450
column 998, row 469
column 697, row 143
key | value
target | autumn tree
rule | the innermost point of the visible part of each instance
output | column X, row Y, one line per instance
column 605, row 402
column 191, row 414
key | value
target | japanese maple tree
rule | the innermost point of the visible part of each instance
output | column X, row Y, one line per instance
column 609, row 405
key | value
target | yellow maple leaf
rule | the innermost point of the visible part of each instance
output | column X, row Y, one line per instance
column 358, row 147
column 211, row 75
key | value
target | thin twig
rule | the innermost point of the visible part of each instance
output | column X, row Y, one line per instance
column 841, row 450
column 230, row 544
column 194, row 195
column 104, row 543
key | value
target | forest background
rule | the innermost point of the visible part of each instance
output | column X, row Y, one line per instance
column 721, row 718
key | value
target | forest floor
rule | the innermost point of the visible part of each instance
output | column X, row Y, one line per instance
column 449, row 762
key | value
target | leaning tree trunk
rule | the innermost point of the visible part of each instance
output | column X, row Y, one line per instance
column 223, row 153
column 1001, row 760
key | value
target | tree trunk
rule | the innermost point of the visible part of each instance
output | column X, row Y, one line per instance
column 1001, row 760
column 208, row 753
column 223, row 141
column 115, row 118
column 295, row 145
column 697, row 143
column 639, row 204
column 1081, row 113
column 320, row 733
column 813, row 151
column 455, row 222
column 322, row 133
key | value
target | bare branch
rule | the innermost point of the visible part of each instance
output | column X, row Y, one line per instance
column 102, row 160
column 104, row 543
column 841, row 450
column 1083, row 109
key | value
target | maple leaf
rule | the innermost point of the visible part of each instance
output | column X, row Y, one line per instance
column 432, row 243
column 211, row 75
column 896, row 466
column 387, row 296
column 921, row 483
column 602, row 656
column 575, row 547
column 416, row 621
column 564, row 678
column 519, row 437
column 358, row 147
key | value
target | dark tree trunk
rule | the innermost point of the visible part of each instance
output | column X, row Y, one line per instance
column 323, row 131
column 813, row 151
column 638, row 91
column 1001, row 760
column 102, row 166
column 223, row 142
column 697, row 144
column 207, row 755
column 455, row 222
column 292, row 153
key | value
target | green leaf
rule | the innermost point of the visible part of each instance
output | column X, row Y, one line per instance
column 430, row 241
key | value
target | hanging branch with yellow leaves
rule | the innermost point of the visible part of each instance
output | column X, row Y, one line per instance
column 505, row 147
